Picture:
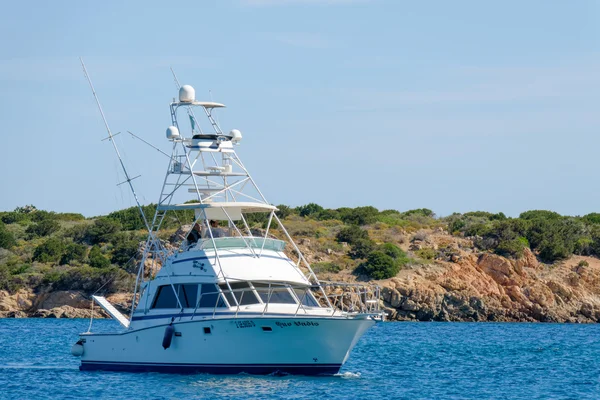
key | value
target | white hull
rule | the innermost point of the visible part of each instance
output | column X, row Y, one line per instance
column 298, row 345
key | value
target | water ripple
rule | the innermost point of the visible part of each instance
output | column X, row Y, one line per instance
column 393, row 360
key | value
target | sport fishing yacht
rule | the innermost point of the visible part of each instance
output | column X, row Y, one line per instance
column 231, row 297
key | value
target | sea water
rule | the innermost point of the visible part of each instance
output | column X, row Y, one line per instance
column 393, row 360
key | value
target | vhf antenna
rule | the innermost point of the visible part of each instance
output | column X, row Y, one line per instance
column 110, row 138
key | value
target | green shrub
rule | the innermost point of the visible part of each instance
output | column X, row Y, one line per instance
column 593, row 218
column 42, row 215
column 49, row 251
column 392, row 250
column 254, row 219
column 359, row 215
column 540, row 214
column 7, row 239
column 584, row 246
column 125, row 247
column 328, row 214
column 322, row 267
column 486, row 215
column 96, row 259
column 70, row 217
column 361, row 248
column 88, row 279
column 130, row 218
column 512, row 247
column 425, row 212
column 74, row 252
column 351, row 234
column 380, row 266
column 426, row 253
column 78, row 233
column 101, row 230
column 310, row 210
column 43, row 228
column 12, row 217
column 7, row 281
column 553, row 248
column 284, row 211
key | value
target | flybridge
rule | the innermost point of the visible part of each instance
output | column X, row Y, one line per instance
column 203, row 163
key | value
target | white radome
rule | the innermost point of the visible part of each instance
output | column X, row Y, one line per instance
column 236, row 135
column 172, row 133
column 187, row 94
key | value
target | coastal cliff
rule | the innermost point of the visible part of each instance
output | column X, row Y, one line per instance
column 465, row 267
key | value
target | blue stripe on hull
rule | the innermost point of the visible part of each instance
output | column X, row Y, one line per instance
column 257, row 369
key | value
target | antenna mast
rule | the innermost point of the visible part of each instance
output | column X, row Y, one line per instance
column 110, row 138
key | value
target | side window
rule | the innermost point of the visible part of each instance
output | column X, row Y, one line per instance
column 306, row 298
column 227, row 294
column 188, row 295
column 243, row 294
column 282, row 296
column 278, row 294
column 209, row 296
column 165, row 298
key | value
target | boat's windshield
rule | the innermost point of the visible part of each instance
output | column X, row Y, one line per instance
column 194, row 295
column 239, row 242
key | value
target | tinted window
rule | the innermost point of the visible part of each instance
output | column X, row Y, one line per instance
column 210, row 296
column 165, row 298
column 188, row 295
column 278, row 294
column 282, row 296
column 243, row 297
column 306, row 298
column 227, row 294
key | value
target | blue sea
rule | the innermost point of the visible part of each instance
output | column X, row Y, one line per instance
column 394, row 360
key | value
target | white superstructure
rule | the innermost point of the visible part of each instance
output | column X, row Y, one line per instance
column 231, row 298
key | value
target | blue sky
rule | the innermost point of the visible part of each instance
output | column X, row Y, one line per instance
column 453, row 106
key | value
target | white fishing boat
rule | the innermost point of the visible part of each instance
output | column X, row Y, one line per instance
column 228, row 298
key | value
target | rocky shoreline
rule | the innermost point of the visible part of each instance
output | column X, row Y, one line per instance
column 473, row 286
column 460, row 284
column 58, row 304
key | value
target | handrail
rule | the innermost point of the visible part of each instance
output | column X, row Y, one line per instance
column 344, row 297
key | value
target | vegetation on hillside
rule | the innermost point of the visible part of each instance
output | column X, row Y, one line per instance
column 66, row 251
column 550, row 235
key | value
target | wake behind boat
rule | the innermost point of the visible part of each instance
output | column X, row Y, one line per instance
column 229, row 298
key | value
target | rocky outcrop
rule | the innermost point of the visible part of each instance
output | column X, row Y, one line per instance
column 59, row 304
column 488, row 287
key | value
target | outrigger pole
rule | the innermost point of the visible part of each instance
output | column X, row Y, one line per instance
column 110, row 138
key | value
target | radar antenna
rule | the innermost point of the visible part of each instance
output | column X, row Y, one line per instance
column 110, row 138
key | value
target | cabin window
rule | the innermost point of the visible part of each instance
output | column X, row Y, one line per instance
column 306, row 298
column 165, row 298
column 278, row 294
column 210, row 296
column 243, row 293
column 188, row 295
column 228, row 295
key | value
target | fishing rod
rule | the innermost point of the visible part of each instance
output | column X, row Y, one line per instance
column 111, row 139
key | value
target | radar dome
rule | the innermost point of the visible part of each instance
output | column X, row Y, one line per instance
column 187, row 94
column 236, row 136
column 172, row 133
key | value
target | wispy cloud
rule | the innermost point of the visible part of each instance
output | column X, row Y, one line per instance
column 491, row 85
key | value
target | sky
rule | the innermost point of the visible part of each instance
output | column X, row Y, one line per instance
column 453, row 106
